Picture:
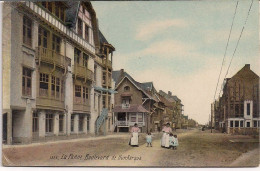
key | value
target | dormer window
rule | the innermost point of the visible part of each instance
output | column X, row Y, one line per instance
column 126, row 88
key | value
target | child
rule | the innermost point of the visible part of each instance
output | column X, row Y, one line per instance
column 176, row 142
column 149, row 139
column 171, row 141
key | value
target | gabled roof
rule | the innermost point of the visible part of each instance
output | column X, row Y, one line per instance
column 102, row 38
column 119, row 76
column 72, row 13
column 147, row 86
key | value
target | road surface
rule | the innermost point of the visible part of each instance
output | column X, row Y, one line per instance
column 196, row 149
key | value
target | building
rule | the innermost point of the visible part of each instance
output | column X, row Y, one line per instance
column 54, row 62
column 237, row 110
column 177, row 108
column 132, row 103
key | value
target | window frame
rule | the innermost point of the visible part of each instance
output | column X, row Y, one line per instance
column 61, row 123
column 27, row 31
column 49, row 121
column 26, row 78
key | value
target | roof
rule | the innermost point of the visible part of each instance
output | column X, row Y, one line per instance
column 102, row 38
column 132, row 108
column 72, row 13
column 118, row 77
column 147, row 86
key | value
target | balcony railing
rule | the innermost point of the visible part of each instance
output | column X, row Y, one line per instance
column 50, row 56
column 83, row 72
column 129, row 123
column 125, row 106
column 107, row 63
column 44, row 14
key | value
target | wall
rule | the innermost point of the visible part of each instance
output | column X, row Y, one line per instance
column 136, row 94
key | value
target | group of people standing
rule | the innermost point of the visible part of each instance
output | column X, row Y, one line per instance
column 168, row 140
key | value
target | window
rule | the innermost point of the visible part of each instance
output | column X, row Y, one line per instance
column 88, row 124
column 27, row 31
column 104, row 77
column 61, row 119
column 255, row 123
column 104, row 101
column 49, row 123
column 85, row 60
column 79, row 26
column 35, row 125
column 57, row 9
column 76, row 55
column 242, row 110
column 43, row 36
column 56, row 41
column 86, row 32
column 95, row 73
column 231, row 124
column 248, row 108
column 78, row 94
column 242, row 124
column 126, row 88
column 57, row 88
column 85, row 94
column 248, row 124
column 95, row 101
column 72, row 123
column 27, row 82
column 236, row 109
column 81, row 120
column 53, row 81
column 236, row 124
column 62, row 90
column 140, row 117
column 133, row 117
column 109, row 102
column 125, row 101
column 44, row 80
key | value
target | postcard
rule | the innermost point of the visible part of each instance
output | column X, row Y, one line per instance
column 130, row 83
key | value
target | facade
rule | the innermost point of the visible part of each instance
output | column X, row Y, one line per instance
column 132, row 103
column 54, row 60
column 237, row 111
column 177, row 108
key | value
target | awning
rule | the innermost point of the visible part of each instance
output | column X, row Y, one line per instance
column 126, row 94
column 132, row 108
column 105, row 90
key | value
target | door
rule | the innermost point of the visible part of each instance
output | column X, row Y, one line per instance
column 4, row 127
column 35, row 127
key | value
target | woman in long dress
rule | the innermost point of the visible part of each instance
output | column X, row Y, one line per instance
column 134, row 139
column 166, row 134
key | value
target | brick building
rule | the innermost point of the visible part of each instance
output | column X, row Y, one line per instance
column 237, row 110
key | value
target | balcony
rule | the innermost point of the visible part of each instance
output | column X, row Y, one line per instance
column 83, row 72
column 107, row 63
column 49, row 56
column 125, row 106
column 128, row 123
column 81, row 105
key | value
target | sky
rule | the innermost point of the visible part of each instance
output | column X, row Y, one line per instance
column 179, row 45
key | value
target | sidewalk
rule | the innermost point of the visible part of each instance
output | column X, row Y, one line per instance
column 100, row 137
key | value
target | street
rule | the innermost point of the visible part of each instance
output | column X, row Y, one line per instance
column 196, row 149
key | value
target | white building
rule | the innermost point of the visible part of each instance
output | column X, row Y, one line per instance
column 53, row 58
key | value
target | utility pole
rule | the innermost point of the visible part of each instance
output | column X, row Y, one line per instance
column 211, row 118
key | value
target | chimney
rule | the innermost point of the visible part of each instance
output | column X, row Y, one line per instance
column 122, row 71
column 169, row 93
column 247, row 66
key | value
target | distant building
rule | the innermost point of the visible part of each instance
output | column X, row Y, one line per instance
column 237, row 111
